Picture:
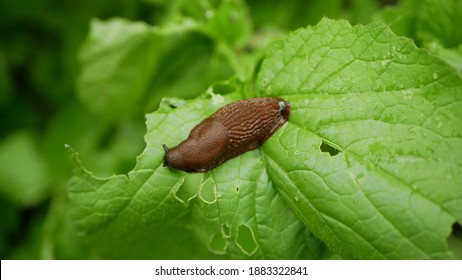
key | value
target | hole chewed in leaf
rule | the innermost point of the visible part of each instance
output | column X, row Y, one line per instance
column 207, row 191
column 327, row 147
column 226, row 231
column 455, row 240
column 218, row 244
column 189, row 189
column 245, row 240
column 457, row 229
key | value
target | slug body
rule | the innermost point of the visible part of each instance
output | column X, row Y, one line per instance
column 232, row 130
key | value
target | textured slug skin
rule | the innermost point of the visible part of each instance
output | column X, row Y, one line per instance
column 232, row 130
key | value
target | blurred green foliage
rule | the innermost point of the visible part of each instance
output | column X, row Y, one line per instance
column 46, row 99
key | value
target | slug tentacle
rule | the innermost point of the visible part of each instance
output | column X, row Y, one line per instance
column 232, row 130
column 166, row 151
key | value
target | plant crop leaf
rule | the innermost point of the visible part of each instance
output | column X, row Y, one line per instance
column 369, row 162
column 117, row 59
column 131, row 65
column 142, row 215
column 371, row 157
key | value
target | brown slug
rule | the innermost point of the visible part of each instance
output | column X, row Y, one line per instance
column 232, row 130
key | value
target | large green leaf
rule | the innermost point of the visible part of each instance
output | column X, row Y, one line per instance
column 371, row 158
column 143, row 214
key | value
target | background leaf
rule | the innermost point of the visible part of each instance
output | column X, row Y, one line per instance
column 391, row 112
column 26, row 185
column 117, row 59
column 416, row 19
